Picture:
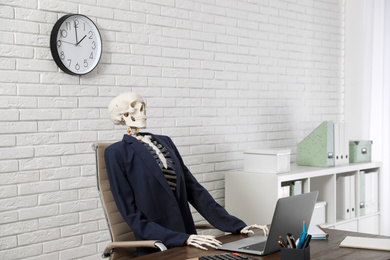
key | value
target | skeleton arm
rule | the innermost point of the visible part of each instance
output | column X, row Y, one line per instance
column 200, row 241
column 248, row 229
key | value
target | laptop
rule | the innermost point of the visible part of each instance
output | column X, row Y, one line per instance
column 289, row 214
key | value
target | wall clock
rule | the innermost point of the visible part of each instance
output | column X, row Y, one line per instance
column 76, row 44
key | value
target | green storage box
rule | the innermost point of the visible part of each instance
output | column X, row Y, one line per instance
column 360, row 151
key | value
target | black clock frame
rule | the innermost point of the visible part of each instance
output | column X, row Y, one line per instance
column 53, row 44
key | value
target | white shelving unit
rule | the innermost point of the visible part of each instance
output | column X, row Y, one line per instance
column 252, row 196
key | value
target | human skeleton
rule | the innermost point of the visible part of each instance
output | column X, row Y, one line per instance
column 130, row 109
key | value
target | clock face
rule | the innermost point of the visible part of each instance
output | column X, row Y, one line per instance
column 76, row 44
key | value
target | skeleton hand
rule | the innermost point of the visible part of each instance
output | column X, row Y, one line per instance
column 199, row 241
column 247, row 229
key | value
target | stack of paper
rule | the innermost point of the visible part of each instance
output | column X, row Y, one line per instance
column 317, row 232
column 366, row 243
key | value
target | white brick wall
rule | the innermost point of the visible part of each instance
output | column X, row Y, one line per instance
column 219, row 77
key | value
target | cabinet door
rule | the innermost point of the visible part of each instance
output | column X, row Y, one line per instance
column 369, row 224
column 348, row 226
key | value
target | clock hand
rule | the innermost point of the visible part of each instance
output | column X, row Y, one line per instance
column 75, row 30
column 81, row 40
column 68, row 42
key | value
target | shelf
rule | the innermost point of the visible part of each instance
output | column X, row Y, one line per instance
column 303, row 172
column 264, row 189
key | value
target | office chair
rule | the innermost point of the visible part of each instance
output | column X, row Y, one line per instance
column 124, row 244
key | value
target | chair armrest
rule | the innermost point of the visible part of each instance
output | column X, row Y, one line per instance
column 125, row 244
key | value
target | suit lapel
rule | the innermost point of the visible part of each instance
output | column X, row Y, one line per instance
column 148, row 161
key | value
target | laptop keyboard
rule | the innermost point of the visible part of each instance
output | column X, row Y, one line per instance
column 225, row 257
column 255, row 247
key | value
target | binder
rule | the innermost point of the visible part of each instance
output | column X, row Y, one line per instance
column 297, row 187
column 317, row 149
column 343, row 190
column 367, row 195
column 284, row 190
column 292, row 189
column 341, row 144
column 374, row 192
column 346, row 144
column 352, row 196
column 337, row 143
column 362, row 204
column 346, row 200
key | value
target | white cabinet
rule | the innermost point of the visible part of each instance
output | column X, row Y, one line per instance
column 369, row 224
column 252, row 196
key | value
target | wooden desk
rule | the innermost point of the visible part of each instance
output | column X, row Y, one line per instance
column 319, row 249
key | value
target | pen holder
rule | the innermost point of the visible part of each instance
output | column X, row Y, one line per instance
column 295, row 254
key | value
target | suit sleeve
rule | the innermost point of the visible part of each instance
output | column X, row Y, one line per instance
column 205, row 204
column 125, row 201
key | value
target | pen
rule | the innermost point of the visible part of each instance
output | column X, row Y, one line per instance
column 291, row 240
column 281, row 243
column 307, row 241
column 326, row 234
column 302, row 237
column 281, row 239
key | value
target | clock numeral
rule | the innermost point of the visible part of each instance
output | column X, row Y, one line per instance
column 90, row 33
column 63, row 33
column 70, row 62
column 85, row 63
column 68, row 26
column 58, row 43
column 76, row 23
column 77, row 66
column 91, row 56
column 93, row 45
column 62, row 55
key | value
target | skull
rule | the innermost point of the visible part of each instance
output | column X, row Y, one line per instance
column 128, row 109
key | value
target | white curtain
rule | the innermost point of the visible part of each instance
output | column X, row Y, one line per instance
column 377, row 82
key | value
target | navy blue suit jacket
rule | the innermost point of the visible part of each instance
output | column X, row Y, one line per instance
column 146, row 201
